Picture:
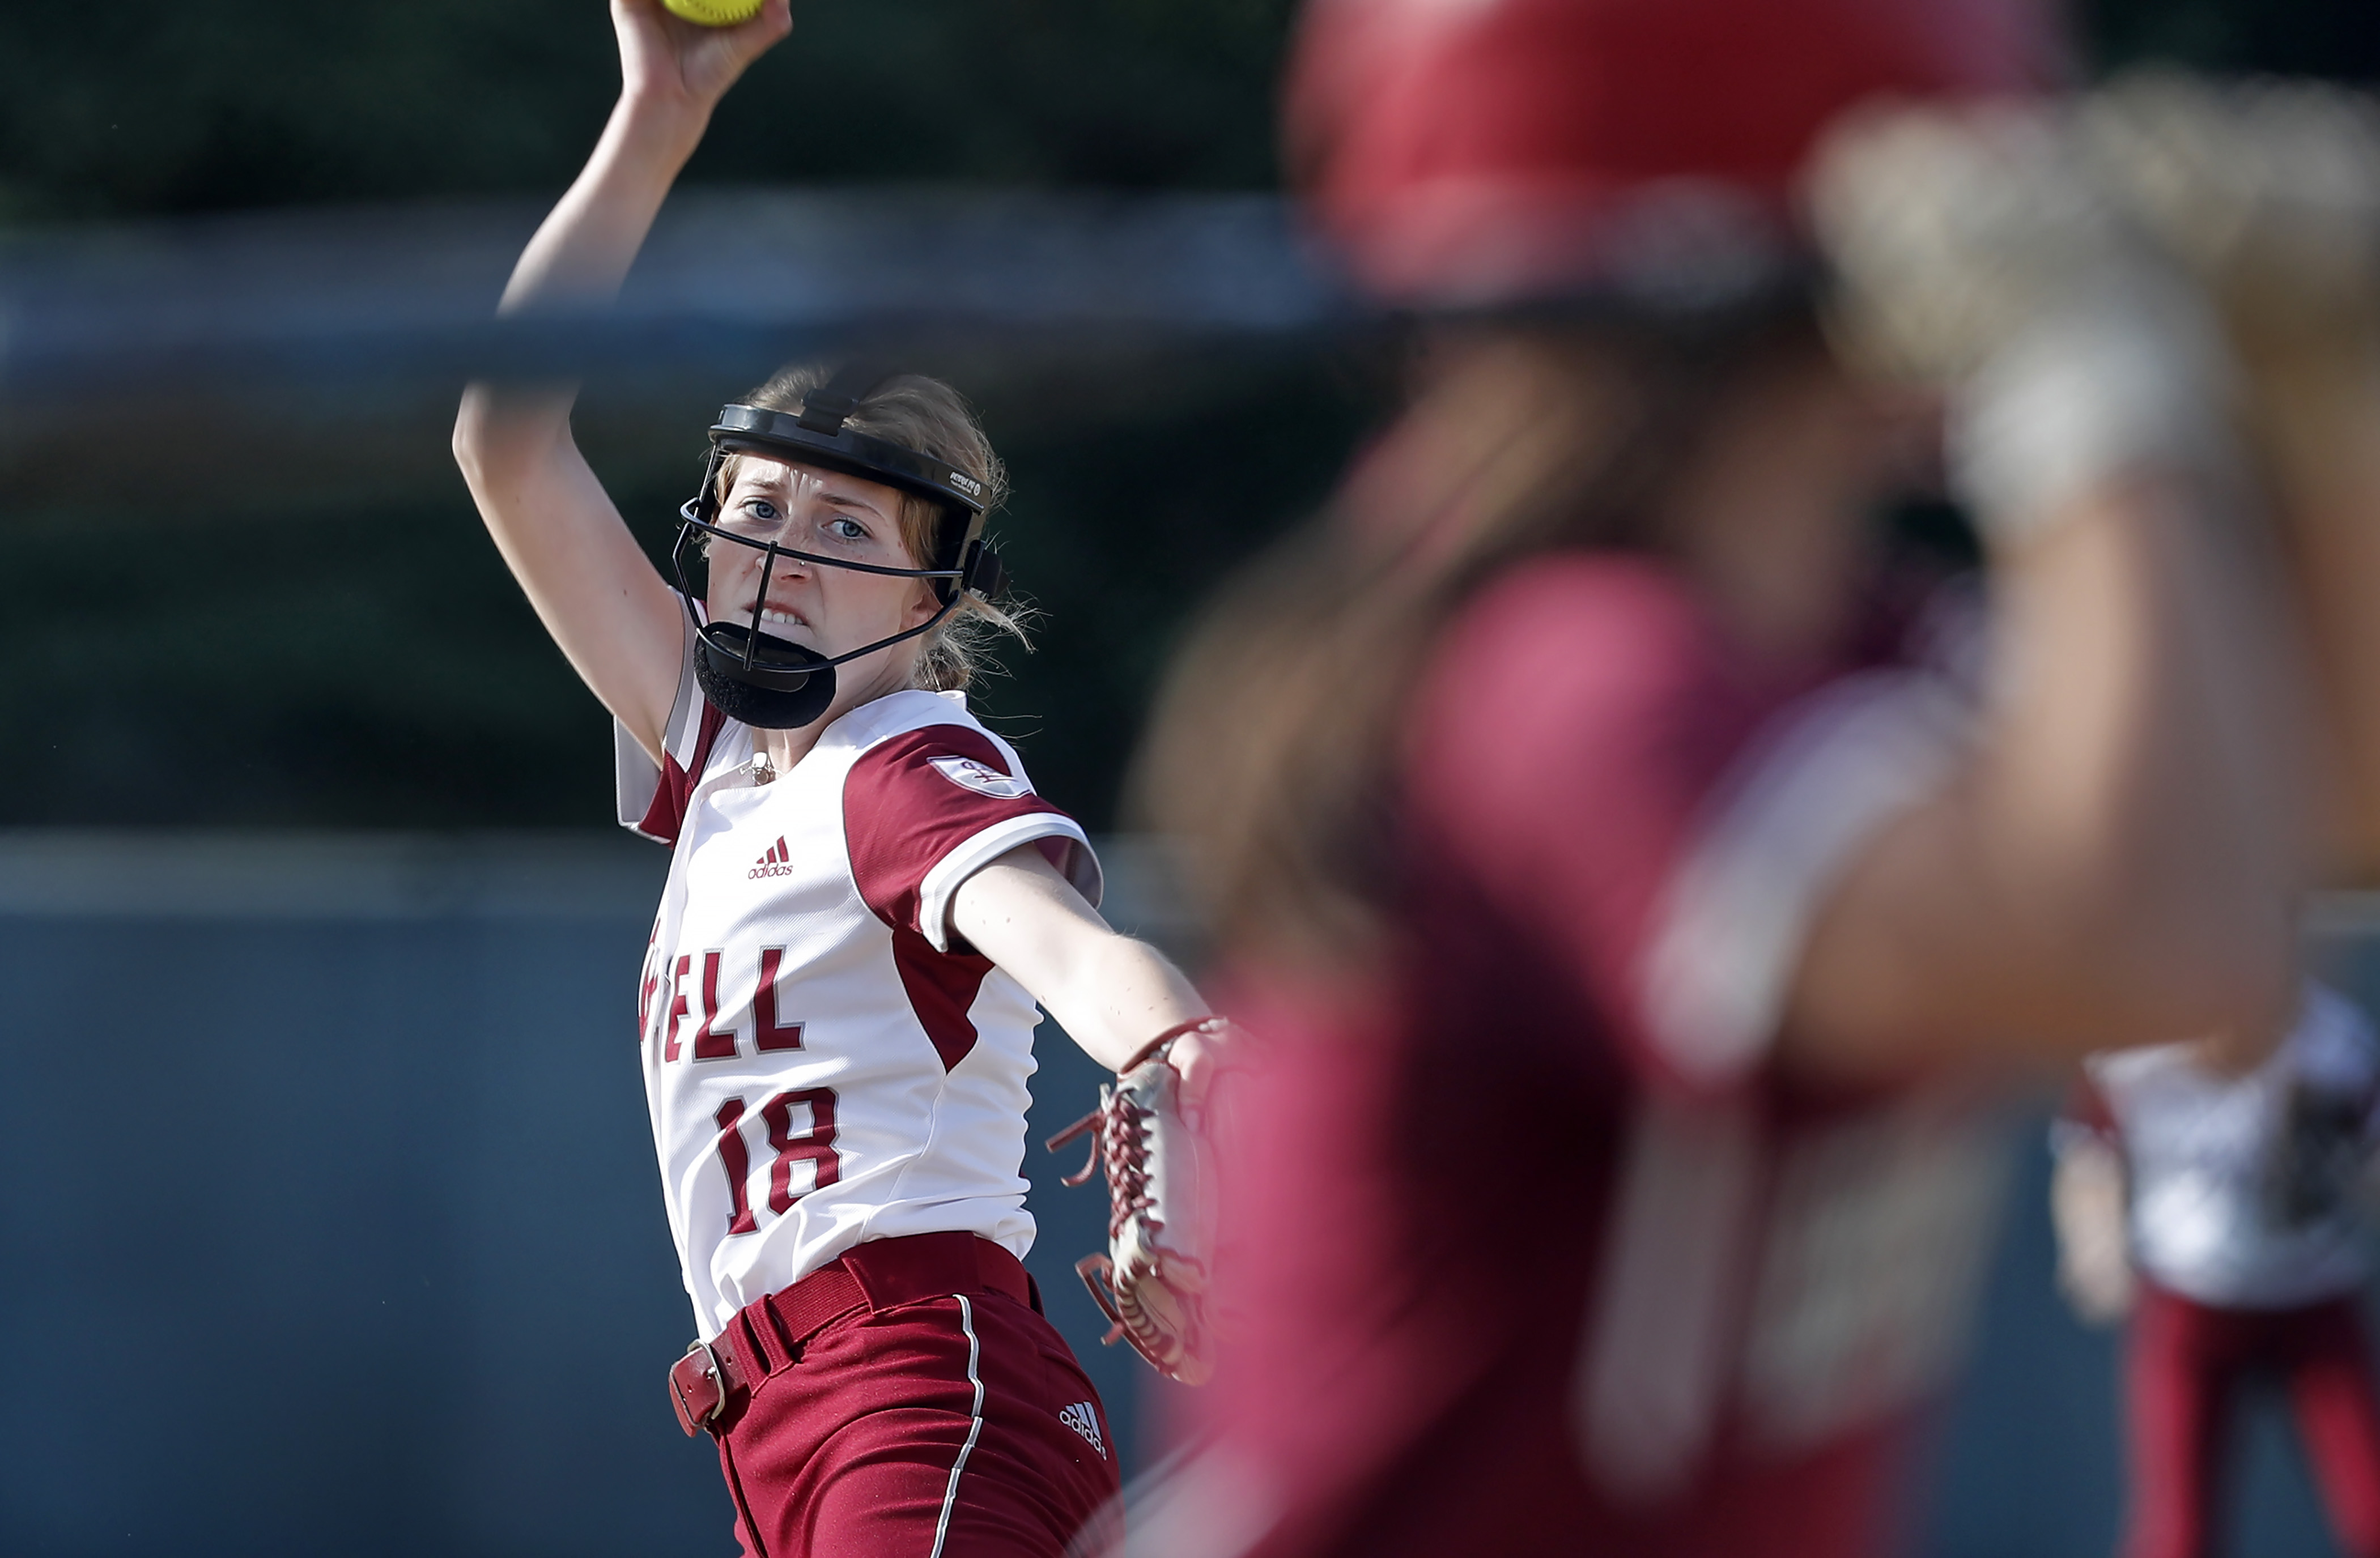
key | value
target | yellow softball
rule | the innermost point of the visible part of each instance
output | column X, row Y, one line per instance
column 714, row 13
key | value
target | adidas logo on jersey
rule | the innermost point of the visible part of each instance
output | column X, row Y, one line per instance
column 1084, row 1419
column 968, row 774
column 772, row 863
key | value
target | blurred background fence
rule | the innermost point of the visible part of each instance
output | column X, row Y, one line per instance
column 330, row 1221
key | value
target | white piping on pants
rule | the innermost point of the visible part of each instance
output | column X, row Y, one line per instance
column 974, row 1428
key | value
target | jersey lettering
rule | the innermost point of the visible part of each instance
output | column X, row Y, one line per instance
column 814, row 1144
column 677, row 1006
column 772, row 1036
column 711, row 1043
column 645, row 1003
column 738, row 1161
column 715, row 1041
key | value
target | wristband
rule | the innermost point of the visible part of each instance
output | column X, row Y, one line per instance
column 2135, row 377
column 1156, row 1046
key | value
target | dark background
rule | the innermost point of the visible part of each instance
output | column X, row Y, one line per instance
column 356, row 655
column 258, row 650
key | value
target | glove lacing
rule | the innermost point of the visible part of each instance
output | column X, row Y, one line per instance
column 1120, row 1147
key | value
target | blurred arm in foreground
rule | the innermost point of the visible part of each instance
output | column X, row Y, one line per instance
column 2269, row 193
column 2117, row 862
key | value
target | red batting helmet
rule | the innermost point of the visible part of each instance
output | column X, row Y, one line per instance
column 1475, row 152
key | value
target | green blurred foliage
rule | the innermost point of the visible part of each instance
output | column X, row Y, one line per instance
column 375, row 665
column 143, row 106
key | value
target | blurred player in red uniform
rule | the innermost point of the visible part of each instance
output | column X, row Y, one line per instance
column 2223, row 1211
column 1627, row 900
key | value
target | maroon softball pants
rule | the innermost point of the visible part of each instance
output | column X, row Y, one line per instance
column 947, row 1424
column 2185, row 1368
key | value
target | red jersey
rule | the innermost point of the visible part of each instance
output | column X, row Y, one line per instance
column 1530, row 1249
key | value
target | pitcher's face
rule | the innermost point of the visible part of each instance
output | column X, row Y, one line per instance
column 827, row 514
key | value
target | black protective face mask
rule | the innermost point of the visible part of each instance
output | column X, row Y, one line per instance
column 762, row 680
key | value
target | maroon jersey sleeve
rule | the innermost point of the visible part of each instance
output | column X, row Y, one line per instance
column 653, row 798
column 1592, row 756
column 925, row 810
column 665, row 791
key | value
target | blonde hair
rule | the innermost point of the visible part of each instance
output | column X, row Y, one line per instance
column 928, row 415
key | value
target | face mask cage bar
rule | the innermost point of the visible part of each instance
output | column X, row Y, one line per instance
column 770, row 682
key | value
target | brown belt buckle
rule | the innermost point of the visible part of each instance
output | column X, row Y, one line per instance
column 697, row 1388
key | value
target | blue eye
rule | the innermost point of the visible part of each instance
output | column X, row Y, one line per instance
column 847, row 528
column 761, row 508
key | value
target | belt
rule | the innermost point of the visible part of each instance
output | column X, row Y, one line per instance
column 712, row 1384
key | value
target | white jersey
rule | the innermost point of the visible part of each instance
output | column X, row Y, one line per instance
column 2243, row 1189
column 822, row 1067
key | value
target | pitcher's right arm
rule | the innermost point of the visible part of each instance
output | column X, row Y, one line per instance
column 592, row 584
